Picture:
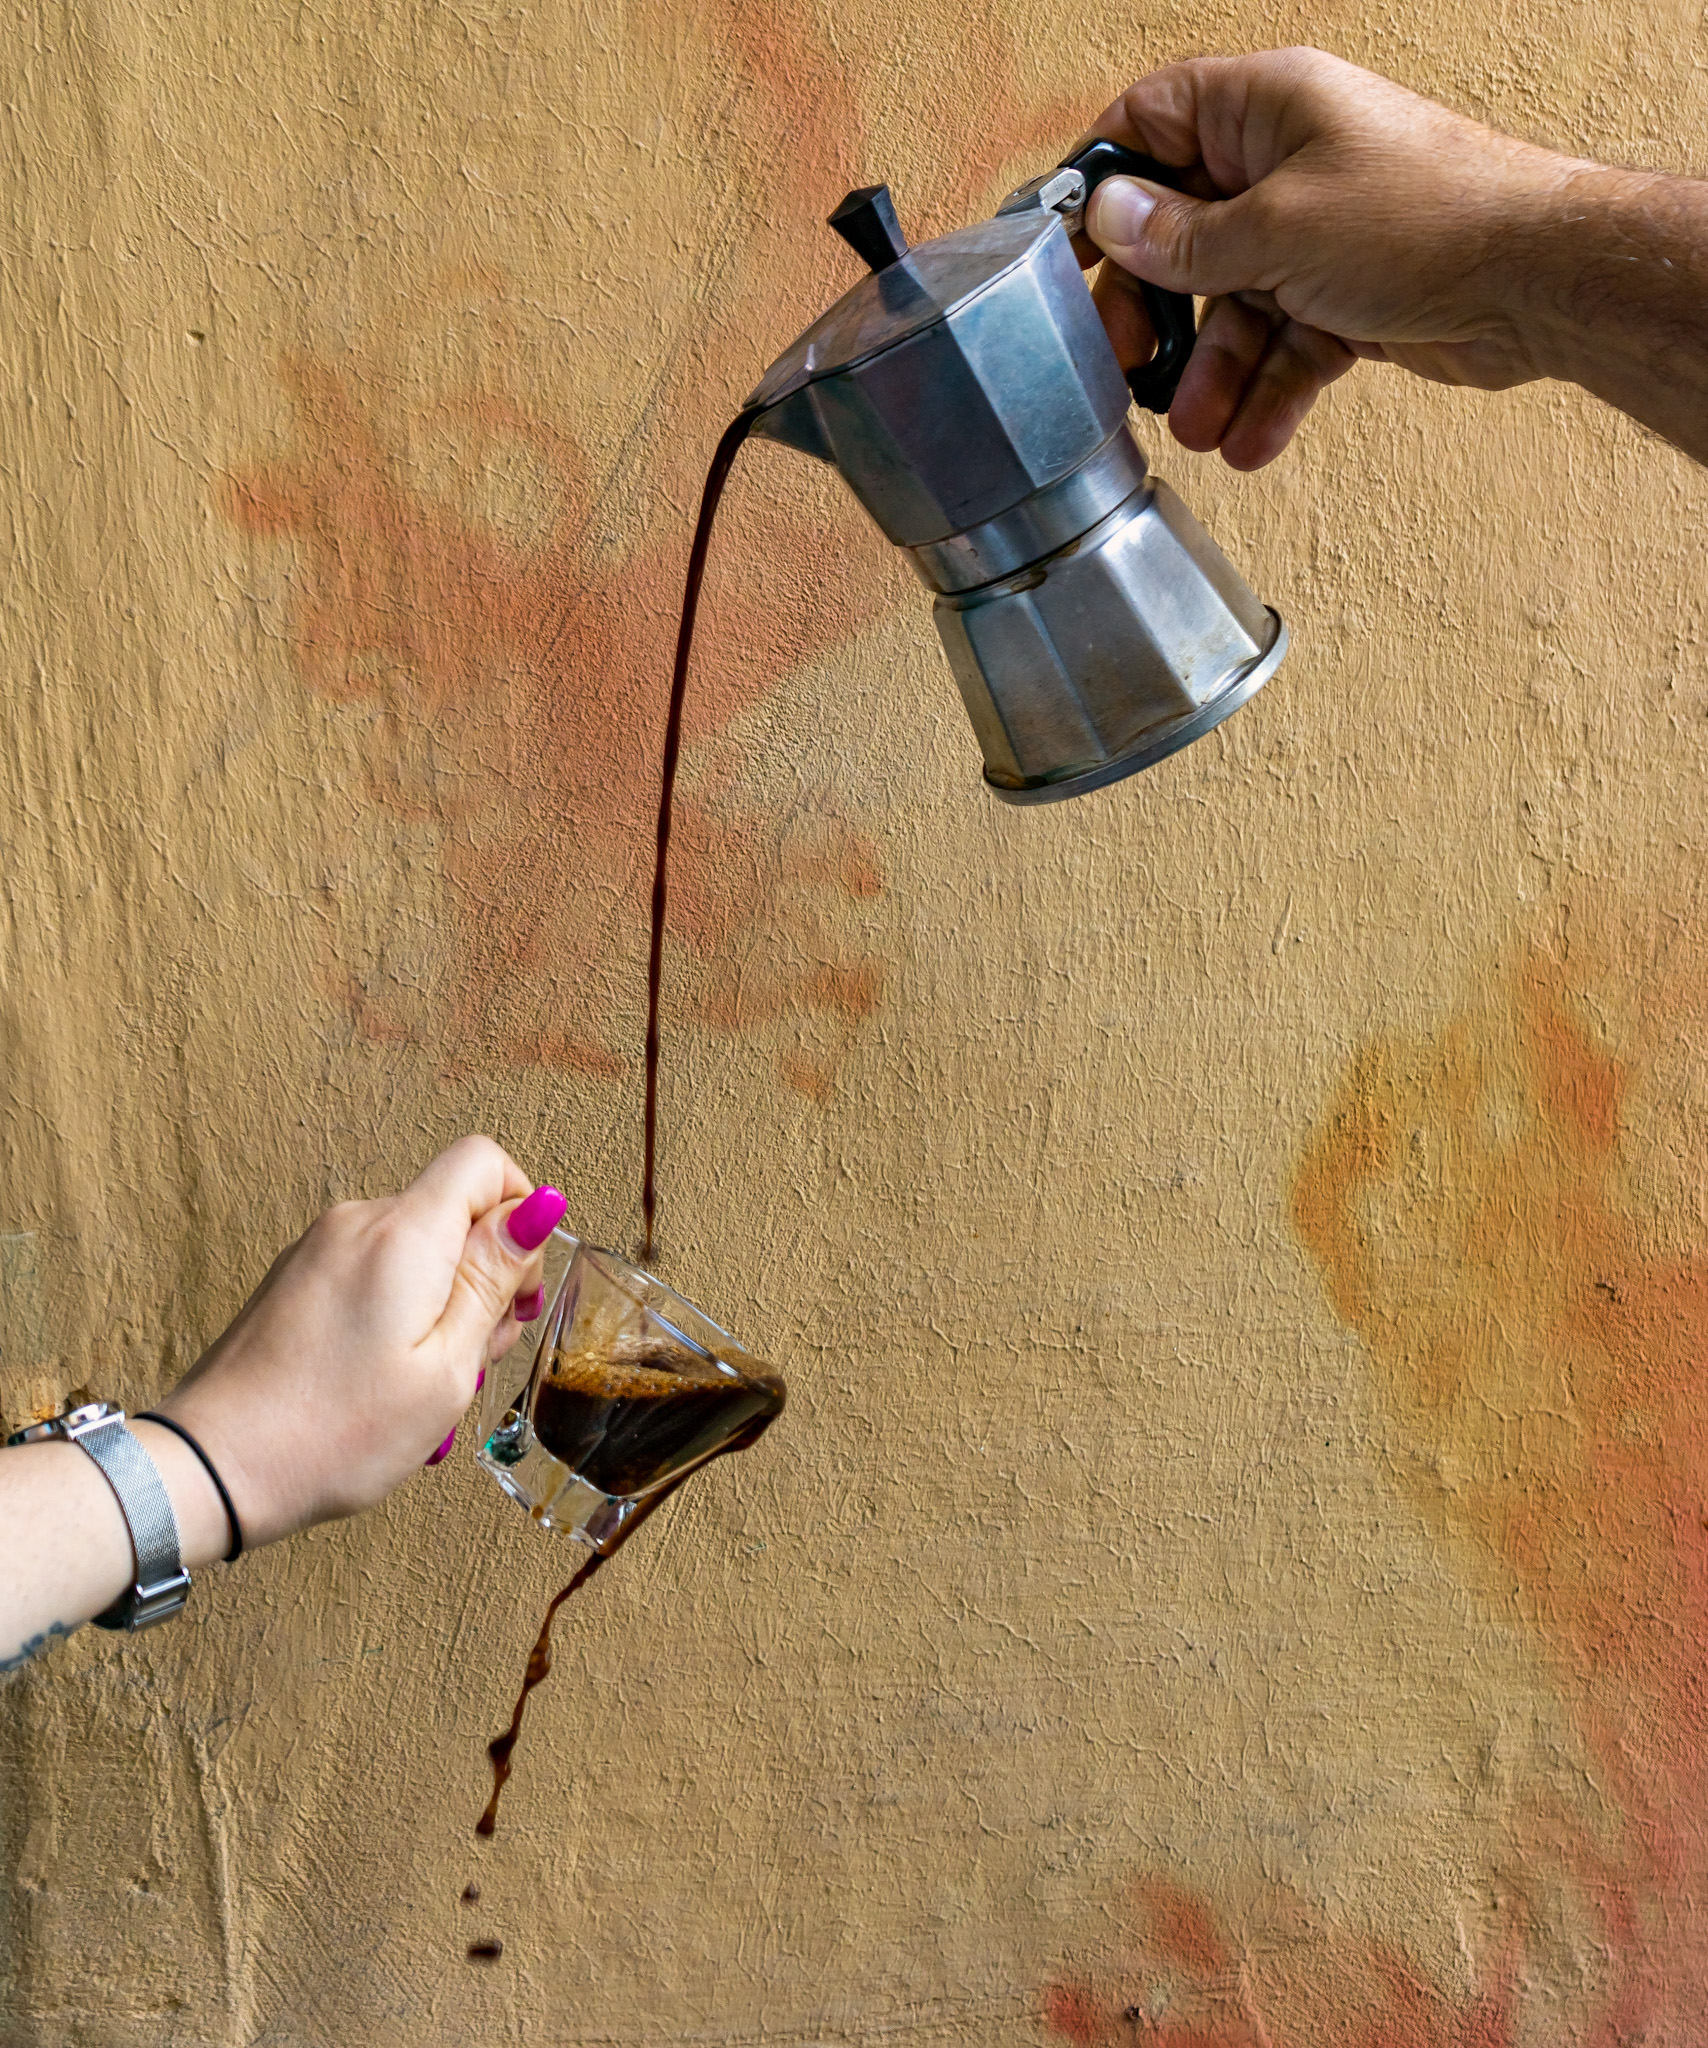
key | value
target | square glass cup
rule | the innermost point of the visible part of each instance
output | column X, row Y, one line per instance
column 627, row 1389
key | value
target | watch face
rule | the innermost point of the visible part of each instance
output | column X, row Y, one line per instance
column 67, row 1424
column 91, row 1411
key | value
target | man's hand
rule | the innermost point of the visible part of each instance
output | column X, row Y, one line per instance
column 1338, row 216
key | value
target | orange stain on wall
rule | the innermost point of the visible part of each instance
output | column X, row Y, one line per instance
column 1287, row 1979
column 524, row 682
column 1545, row 1354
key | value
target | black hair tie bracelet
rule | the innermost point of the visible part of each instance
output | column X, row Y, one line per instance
column 178, row 1429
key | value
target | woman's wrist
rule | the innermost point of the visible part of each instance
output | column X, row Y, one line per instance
column 67, row 1543
column 253, row 1461
column 69, row 1547
column 204, row 1534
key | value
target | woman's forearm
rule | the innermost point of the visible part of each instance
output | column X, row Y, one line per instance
column 365, row 1342
column 69, row 1551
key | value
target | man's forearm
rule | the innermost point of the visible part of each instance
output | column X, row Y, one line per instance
column 1615, row 296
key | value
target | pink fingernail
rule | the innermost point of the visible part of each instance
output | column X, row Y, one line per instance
column 444, row 1450
column 528, row 1306
column 531, row 1222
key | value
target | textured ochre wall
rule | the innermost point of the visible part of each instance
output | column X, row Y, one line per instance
column 1234, row 1569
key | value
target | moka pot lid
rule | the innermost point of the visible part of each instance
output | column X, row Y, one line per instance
column 914, row 290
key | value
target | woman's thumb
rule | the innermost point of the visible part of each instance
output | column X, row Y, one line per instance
column 1167, row 238
column 501, row 1248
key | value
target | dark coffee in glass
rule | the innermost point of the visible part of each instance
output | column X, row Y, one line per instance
column 629, row 1388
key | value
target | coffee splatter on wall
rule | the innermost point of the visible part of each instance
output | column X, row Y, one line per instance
column 1229, row 1571
column 523, row 689
column 1268, row 1972
column 524, row 679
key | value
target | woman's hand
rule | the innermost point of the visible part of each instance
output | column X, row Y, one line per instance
column 348, row 1365
column 364, row 1343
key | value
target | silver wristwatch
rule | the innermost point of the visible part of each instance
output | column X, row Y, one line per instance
column 162, row 1585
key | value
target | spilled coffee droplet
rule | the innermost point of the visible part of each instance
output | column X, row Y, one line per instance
column 501, row 1747
column 539, row 1668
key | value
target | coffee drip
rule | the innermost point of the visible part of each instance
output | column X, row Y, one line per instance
column 655, row 1427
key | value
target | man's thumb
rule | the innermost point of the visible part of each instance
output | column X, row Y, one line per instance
column 1164, row 237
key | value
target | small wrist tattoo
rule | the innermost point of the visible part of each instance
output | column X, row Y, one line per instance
column 56, row 1631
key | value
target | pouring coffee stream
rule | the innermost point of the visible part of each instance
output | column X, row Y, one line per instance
column 723, row 460
column 967, row 393
column 502, row 1747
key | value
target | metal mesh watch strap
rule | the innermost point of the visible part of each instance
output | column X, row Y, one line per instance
column 162, row 1584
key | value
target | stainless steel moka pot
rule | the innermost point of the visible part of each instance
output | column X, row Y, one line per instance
column 968, row 394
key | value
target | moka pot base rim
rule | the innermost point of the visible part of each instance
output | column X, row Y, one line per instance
column 1157, row 745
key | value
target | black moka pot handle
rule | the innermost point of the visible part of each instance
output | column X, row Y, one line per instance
column 1173, row 314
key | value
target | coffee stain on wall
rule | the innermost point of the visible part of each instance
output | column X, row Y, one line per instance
column 1267, row 1971
column 523, row 690
column 522, row 681
column 1479, row 1203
